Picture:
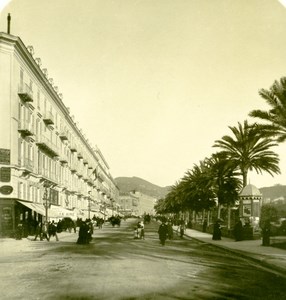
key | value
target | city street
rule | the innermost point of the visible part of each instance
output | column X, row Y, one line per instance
column 117, row 266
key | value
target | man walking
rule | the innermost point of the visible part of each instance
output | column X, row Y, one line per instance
column 163, row 232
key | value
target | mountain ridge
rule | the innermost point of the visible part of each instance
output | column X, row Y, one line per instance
column 134, row 183
column 128, row 184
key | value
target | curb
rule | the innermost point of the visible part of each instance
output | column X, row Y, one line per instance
column 249, row 256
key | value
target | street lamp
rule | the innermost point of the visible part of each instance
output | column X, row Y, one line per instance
column 46, row 200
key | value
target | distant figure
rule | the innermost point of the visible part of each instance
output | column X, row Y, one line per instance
column 170, row 230
column 38, row 232
column 182, row 228
column 238, row 231
column 19, row 231
column 53, row 231
column 142, row 233
column 45, row 231
column 266, row 233
column 205, row 224
column 83, row 234
column 139, row 231
column 217, row 231
column 163, row 233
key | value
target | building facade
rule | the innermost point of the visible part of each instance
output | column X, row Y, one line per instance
column 47, row 166
column 136, row 203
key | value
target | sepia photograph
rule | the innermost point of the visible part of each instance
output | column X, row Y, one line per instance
column 142, row 149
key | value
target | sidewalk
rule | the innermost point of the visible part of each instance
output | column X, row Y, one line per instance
column 269, row 257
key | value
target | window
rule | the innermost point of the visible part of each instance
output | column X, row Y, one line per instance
column 37, row 127
column 45, row 106
column 39, row 99
column 21, row 79
column 20, row 190
column 31, row 85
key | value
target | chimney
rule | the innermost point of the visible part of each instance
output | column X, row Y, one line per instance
column 8, row 23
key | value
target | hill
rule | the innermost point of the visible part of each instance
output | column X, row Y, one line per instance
column 273, row 192
column 128, row 184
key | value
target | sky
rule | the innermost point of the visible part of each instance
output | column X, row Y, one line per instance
column 153, row 83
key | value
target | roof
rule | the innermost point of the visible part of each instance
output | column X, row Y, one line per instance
column 250, row 190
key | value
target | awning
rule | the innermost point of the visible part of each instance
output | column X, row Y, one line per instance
column 61, row 212
column 39, row 208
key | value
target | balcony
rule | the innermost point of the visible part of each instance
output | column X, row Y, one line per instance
column 63, row 159
column 25, row 93
column 26, row 164
column 26, row 128
column 63, row 136
column 90, row 182
column 49, row 118
column 48, row 176
column 73, row 168
column 73, row 148
column 47, row 146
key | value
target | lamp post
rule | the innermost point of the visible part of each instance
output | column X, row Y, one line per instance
column 46, row 200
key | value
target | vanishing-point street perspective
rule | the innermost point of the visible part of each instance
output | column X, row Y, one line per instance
column 142, row 149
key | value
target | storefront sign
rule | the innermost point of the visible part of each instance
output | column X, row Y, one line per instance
column 4, row 156
column 6, row 189
column 5, row 174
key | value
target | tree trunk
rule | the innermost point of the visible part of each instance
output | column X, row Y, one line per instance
column 228, row 217
column 244, row 177
column 218, row 211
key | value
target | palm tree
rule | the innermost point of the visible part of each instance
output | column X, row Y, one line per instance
column 276, row 116
column 198, row 188
column 249, row 150
column 225, row 182
column 224, row 177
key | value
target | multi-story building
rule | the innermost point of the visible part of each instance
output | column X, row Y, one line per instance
column 47, row 166
column 136, row 203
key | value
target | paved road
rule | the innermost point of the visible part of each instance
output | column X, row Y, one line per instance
column 116, row 266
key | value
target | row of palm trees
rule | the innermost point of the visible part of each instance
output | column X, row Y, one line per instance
column 219, row 178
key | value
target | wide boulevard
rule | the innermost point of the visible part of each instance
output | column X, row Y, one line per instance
column 117, row 266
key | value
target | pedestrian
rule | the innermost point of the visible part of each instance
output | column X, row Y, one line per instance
column 217, row 231
column 170, row 230
column 163, row 232
column 238, row 231
column 53, row 230
column 83, row 236
column 38, row 231
column 205, row 224
column 100, row 223
column 137, row 230
column 182, row 228
column 142, row 232
column 19, row 231
column 266, row 233
column 45, row 231
column 89, row 231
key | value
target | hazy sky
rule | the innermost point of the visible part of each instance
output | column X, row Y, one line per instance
column 154, row 83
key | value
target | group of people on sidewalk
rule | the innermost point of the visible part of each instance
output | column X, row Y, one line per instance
column 165, row 230
column 85, row 232
column 46, row 230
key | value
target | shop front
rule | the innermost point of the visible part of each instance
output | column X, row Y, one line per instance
column 7, row 217
column 14, row 212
